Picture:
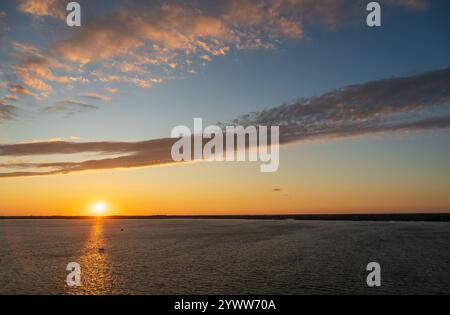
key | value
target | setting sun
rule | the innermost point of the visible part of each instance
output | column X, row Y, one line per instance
column 99, row 208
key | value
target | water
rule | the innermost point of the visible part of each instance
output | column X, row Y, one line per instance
column 223, row 256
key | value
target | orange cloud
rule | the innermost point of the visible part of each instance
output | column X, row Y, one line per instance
column 19, row 89
column 9, row 97
column 31, row 80
column 35, row 69
column 111, row 90
column 128, row 41
column 52, row 8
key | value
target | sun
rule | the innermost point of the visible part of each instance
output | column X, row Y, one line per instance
column 99, row 207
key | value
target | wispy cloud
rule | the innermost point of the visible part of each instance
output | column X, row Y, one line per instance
column 16, row 89
column 95, row 96
column 375, row 106
column 3, row 26
column 9, row 97
column 36, row 70
column 69, row 107
column 136, row 154
column 6, row 111
column 111, row 90
column 420, row 102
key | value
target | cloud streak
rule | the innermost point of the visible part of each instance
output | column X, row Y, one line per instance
column 371, row 107
column 95, row 96
column 16, row 89
column 6, row 111
column 69, row 107
column 420, row 102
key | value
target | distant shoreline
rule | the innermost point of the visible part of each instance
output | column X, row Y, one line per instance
column 405, row 217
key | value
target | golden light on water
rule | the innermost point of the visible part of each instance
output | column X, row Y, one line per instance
column 96, row 276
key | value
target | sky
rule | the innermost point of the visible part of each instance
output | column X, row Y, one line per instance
column 86, row 112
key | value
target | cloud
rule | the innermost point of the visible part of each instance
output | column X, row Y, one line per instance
column 419, row 102
column 94, row 96
column 371, row 107
column 36, row 69
column 111, row 90
column 3, row 27
column 144, row 43
column 195, row 28
column 39, row 8
column 9, row 97
column 55, row 139
column 145, row 153
column 6, row 111
column 32, row 81
column 69, row 107
column 49, row 140
column 19, row 89
column 276, row 189
column 143, row 83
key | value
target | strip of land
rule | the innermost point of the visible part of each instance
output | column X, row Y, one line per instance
column 429, row 217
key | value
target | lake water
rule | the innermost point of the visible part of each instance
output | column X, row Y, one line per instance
column 223, row 256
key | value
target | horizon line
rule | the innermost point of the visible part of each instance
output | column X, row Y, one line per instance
column 430, row 217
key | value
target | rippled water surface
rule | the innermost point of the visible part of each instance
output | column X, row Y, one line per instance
column 222, row 256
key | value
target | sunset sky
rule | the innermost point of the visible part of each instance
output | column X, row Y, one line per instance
column 365, row 111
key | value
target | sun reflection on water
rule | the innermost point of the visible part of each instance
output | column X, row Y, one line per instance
column 96, row 275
